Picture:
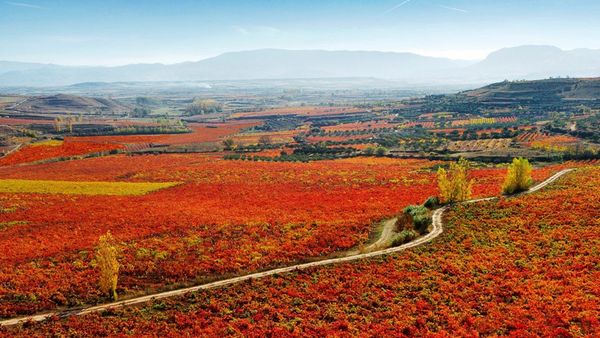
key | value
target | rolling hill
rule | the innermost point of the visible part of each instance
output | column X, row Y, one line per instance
column 62, row 103
column 550, row 89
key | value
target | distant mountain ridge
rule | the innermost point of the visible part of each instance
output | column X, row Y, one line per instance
column 524, row 62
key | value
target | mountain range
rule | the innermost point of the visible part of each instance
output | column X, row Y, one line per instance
column 516, row 63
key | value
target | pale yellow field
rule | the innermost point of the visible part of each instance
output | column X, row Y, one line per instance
column 48, row 143
column 81, row 188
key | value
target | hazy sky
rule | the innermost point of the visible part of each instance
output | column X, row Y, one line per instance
column 111, row 32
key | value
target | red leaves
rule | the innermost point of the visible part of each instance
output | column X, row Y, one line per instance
column 67, row 149
column 441, row 289
column 235, row 217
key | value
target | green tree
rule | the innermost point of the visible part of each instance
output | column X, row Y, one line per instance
column 381, row 151
column 369, row 151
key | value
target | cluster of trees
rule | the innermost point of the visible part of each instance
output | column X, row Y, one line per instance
column 140, row 112
column 203, row 106
column 302, row 153
column 377, row 151
column 471, row 134
column 65, row 124
column 320, row 149
column 320, row 132
column 284, row 157
column 455, row 185
column 420, row 145
column 587, row 128
column 278, row 123
column 132, row 130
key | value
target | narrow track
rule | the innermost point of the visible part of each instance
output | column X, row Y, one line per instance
column 437, row 229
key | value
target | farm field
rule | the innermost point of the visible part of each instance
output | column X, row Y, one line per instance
column 210, row 218
column 191, row 200
column 493, row 271
column 478, row 145
column 300, row 169
column 54, row 150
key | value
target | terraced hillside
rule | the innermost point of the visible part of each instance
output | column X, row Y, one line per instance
column 534, row 92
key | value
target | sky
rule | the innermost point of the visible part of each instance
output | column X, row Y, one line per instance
column 116, row 32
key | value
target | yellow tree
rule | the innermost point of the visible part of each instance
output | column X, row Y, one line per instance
column 518, row 177
column 70, row 124
column 57, row 124
column 454, row 184
column 106, row 257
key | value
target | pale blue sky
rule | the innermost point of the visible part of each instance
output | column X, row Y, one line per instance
column 111, row 32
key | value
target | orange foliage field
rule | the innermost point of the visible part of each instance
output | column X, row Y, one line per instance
column 286, row 136
column 519, row 267
column 68, row 148
column 224, row 217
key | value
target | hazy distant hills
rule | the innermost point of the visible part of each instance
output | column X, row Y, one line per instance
column 525, row 62
column 535, row 62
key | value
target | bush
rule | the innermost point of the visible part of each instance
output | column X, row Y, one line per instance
column 414, row 210
column 369, row 151
column 381, row 151
column 404, row 236
column 421, row 218
column 432, row 202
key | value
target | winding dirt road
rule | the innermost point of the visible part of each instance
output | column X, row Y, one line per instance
column 437, row 228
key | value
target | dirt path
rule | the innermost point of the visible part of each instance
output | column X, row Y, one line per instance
column 437, row 229
column 17, row 147
column 383, row 241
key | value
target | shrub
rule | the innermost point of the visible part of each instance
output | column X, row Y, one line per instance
column 404, row 236
column 518, row 177
column 414, row 210
column 381, row 151
column 369, row 151
column 432, row 202
column 421, row 218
